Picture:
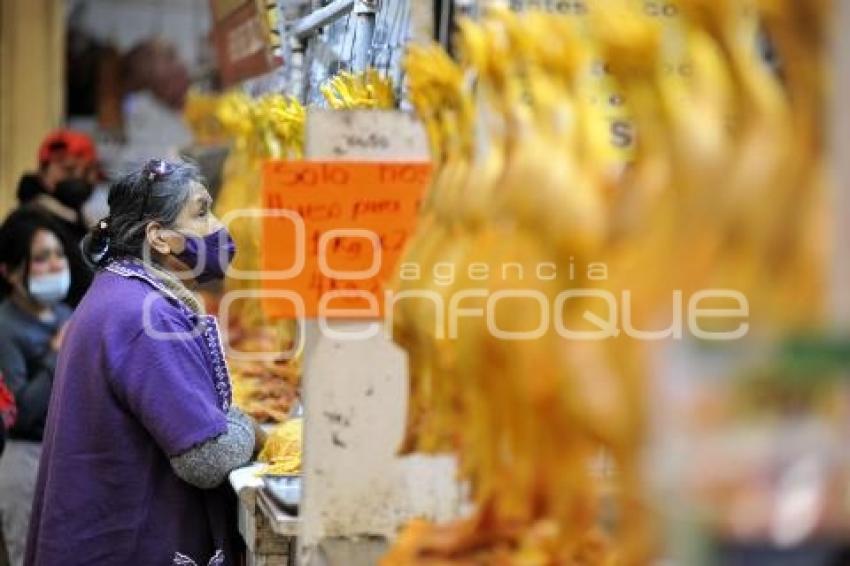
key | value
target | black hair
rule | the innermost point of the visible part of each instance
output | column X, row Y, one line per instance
column 156, row 192
column 16, row 237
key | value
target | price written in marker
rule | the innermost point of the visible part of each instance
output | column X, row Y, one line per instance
column 333, row 233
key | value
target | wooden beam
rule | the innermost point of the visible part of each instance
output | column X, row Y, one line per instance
column 32, row 86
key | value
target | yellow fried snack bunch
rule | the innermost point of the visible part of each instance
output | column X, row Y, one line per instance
column 282, row 451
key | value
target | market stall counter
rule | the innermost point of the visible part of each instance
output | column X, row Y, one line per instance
column 269, row 530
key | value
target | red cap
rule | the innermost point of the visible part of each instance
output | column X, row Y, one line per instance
column 77, row 144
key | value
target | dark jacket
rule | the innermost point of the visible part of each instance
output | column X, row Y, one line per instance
column 28, row 363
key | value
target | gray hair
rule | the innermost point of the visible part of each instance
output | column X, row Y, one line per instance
column 135, row 200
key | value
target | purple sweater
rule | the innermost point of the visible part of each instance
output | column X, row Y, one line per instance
column 140, row 379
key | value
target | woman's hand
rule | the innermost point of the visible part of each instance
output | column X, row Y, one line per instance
column 59, row 337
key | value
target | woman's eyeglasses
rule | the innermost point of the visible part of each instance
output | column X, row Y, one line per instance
column 154, row 171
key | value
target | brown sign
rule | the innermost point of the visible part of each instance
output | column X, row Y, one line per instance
column 243, row 40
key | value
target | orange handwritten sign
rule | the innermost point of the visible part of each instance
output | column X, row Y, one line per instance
column 333, row 233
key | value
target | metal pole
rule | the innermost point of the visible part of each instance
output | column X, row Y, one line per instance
column 308, row 25
column 446, row 7
column 297, row 83
column 364, row 11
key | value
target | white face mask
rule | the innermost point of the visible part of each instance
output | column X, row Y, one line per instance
column 50, row 289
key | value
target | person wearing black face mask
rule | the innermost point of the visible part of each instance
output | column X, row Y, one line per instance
column 73, row 193
column 63, row 183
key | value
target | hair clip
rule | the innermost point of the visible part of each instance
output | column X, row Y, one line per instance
column 154, row 170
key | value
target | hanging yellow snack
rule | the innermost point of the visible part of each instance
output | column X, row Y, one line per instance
column 268, row 127
column 524, row 179
column 365, row 90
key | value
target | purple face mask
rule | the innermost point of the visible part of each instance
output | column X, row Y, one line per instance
column 208, row 257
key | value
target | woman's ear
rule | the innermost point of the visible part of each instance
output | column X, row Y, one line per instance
column 158, row 238
column 12, row 276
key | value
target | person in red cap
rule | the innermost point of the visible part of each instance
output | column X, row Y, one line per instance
column 67, row 172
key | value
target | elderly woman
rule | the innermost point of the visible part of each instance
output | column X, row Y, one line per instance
column 141, row 433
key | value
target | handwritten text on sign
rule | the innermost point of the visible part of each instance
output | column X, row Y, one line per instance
column 333, row 233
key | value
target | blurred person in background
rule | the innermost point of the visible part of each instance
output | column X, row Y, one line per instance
column 34, row 280
column 67, row 172
column 134, row 98
column 66, row 175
